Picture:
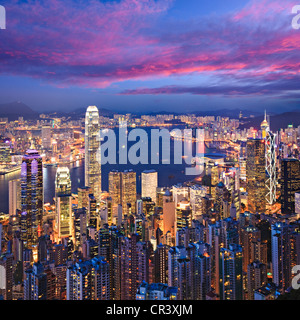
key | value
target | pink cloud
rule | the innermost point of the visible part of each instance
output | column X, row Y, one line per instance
column 95, row 44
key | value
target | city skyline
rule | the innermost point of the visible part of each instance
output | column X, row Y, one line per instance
column 150, row 151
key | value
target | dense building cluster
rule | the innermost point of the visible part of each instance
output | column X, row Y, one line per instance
column 231, row 233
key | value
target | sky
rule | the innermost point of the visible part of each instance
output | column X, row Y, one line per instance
column 150, row 55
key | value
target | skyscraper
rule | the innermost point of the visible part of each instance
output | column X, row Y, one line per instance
column 128, row 191
column 256, row 175
column 63, row 202
column 264, row 127
column 114, row 187
column 290, row 184
column 88, row 280
column 6, row 275
column 231, row 273
column 197, row 193
column 281, row 255
column 46, row 137
column 14, row 196
column 183, row 215
column 31, row 197
column 35, row 284
column 271, row 178
column 256, row 278
column 149, row 184
column 92, row 152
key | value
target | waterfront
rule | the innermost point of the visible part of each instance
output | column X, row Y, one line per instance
column 174, row 174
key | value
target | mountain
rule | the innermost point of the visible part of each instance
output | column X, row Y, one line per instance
column 231, row 113
column 14, row 110
column 277, row 121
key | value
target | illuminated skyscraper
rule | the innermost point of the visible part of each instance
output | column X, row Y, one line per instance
column 256, row 277
column 92, row 152
column 6, row 275
column 63, row 202
column 197, row 193
column 83, row 197
column 290, row 184
column 114, row 187
column 231, row 273
column 271, row 178
column 264, row 127
column 270, row 155
column 35, row 284
column 281, row 255
column 46, row 137
column 179, row 192
column 88, row 280
column 128, row 191
column 183, row 215
column 256, row 175
column 149, row 184
column 31, row 197
column 14, row 196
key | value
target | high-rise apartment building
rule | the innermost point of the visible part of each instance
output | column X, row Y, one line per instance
column 156, row 291
column 88, row 280
column 231, row 273
column 281, row 255
column 6, row 275
column 35, row 284
column 256, row 278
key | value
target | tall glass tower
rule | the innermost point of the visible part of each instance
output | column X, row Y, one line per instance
column 31, row 197
column 63, row 202
column 256, row 175
column 92, row 152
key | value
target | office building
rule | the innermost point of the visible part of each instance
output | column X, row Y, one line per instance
column 14, row 196
column 92, row 152
column 128, row 192
column 32, row 199
column 256, row 175
column 290, row 184
column 63, row 203
column 149, row 184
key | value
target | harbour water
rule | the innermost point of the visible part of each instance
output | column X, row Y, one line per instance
column 168, row 175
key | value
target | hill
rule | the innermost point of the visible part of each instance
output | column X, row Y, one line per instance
column 14, row 110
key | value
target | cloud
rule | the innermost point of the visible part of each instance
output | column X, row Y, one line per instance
column 94, row 44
